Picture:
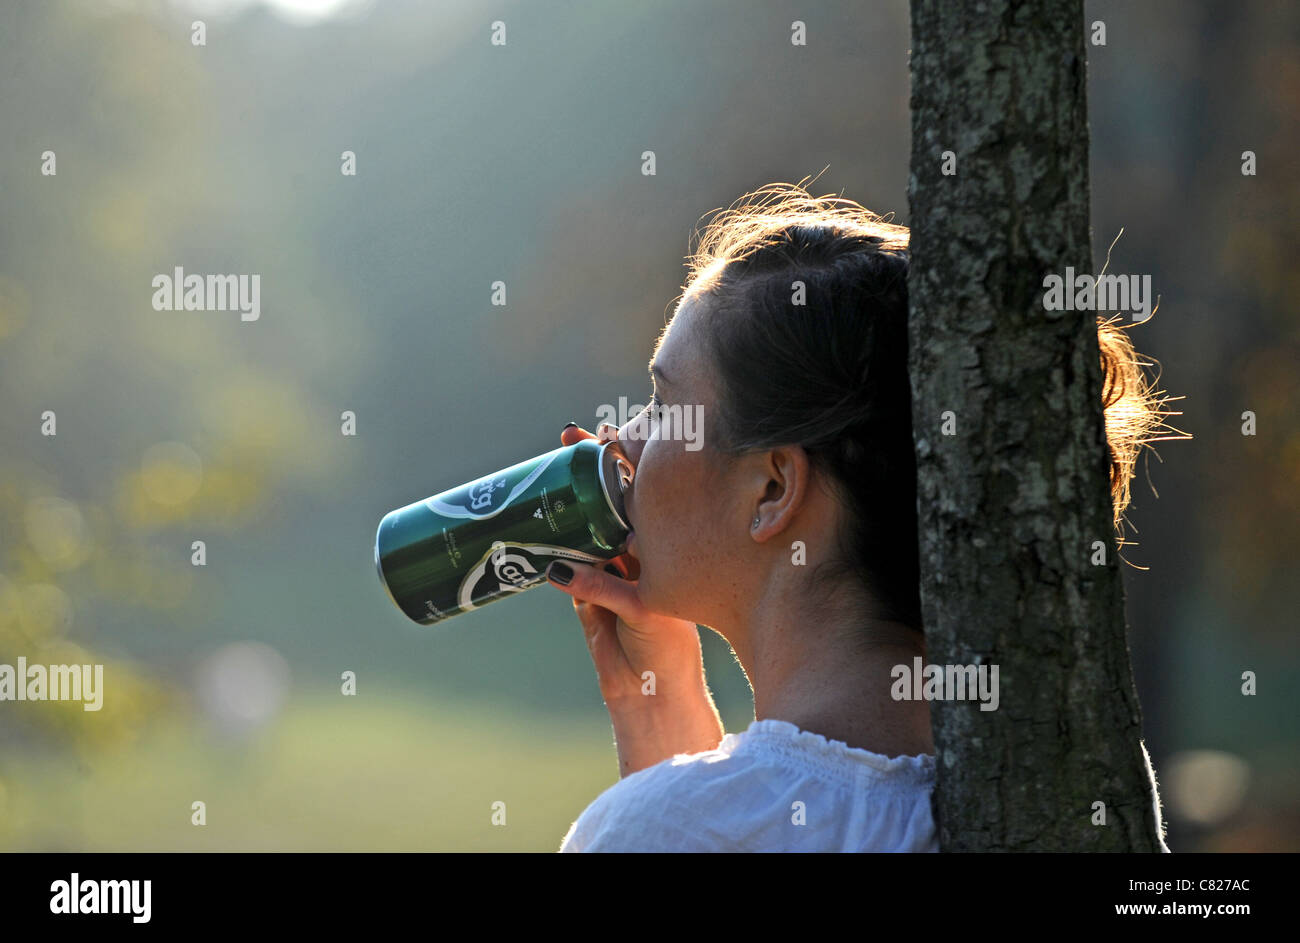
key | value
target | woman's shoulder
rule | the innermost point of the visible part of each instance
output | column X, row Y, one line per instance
column 772, row 787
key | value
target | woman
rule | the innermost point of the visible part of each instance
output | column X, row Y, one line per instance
column 792, row 533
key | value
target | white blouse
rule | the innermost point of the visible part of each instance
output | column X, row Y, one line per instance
column 772, row 788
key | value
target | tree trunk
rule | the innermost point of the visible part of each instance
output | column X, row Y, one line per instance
column 1014, row 492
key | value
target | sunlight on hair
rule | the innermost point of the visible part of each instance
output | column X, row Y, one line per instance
column 766, row 216
column 1135, row 411
column 778, row 214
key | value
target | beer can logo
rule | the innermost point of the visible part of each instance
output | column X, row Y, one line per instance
column 480, row 495
column 511, row 568
column 512, row 571
column 487, row 497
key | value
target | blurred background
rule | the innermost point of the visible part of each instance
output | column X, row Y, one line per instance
column 522, row 163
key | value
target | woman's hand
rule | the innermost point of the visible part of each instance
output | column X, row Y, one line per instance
column 636, row 652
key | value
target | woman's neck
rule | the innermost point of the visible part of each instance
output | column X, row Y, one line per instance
column 832, row 675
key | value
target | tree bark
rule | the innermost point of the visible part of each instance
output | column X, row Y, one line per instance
column 1010, row 505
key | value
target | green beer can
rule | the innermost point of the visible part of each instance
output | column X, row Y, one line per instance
column 495, row 536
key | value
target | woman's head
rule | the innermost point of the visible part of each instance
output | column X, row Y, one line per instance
column 791, row 334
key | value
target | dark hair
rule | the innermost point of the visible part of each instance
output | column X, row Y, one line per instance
column 831, row 375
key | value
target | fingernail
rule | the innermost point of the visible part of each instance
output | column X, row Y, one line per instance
column 560, row 573
column 570, row 423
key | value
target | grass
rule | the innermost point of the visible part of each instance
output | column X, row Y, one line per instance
column 328, row 774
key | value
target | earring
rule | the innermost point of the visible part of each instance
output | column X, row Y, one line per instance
column 755, row 524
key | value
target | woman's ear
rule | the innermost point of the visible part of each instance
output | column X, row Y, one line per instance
column 782, row 479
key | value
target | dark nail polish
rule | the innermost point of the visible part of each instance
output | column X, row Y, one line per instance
column 560, row 573
column 570, row 423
